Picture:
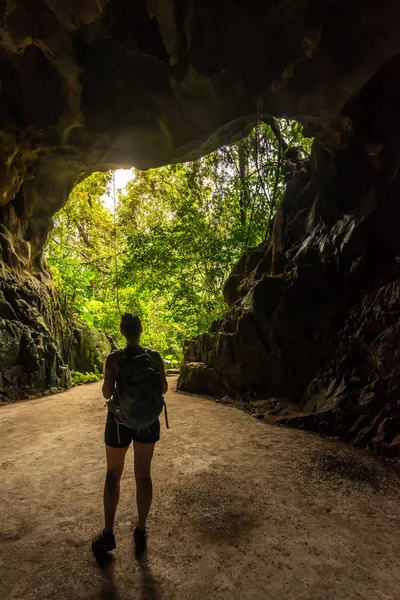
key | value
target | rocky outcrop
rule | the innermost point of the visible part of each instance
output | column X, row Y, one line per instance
column 38, row 345
column 31, row 359
column 356, row 396
column 107, row 83
column 202, row 378
column 317, row 322
column 87, row 350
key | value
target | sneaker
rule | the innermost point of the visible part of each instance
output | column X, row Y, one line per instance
column 140, row 539
column 103, row 542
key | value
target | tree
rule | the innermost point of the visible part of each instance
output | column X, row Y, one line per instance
column 79, row 251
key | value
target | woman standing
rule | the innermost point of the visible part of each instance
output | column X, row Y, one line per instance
column 135, row 382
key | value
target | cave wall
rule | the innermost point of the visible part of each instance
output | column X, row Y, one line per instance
column 39, row 344
column 314, row 316
column 104, row 84
column 30, row 340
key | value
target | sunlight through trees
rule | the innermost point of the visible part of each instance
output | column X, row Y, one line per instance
column 177, row 233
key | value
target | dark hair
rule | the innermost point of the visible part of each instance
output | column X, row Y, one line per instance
column 131, row 326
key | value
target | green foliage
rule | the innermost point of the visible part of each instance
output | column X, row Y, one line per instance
column 78, row 378
column 79, row 251
column 177, row 233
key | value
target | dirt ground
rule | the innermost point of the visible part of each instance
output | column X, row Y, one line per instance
column 242, row 510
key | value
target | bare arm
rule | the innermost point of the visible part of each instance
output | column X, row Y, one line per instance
column 161, row 370
column 109, row 378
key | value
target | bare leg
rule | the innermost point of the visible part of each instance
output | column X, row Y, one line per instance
column 144, row 486
column 115, row 467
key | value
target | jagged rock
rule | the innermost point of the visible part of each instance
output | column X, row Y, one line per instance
column 29, row 361
column 35, row 341
column 6, row 311
column 357, row 395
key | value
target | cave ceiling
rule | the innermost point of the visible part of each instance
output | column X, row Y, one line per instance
column 99, row 84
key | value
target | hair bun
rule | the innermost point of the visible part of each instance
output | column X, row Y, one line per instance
column 131, row 327
column 128, row 317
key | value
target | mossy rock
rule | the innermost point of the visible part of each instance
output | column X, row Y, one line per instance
column 88, row 350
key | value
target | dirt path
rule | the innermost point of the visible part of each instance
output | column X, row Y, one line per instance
column 242, row 510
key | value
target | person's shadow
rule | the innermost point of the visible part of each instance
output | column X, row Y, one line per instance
column 150, row 587
column 108, row 588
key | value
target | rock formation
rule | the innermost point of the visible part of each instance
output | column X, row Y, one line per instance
column 322, row 330
column 102, row 84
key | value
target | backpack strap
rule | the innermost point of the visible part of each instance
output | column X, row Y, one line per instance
column 166, row 415
column 148, row 352
column 119, row 355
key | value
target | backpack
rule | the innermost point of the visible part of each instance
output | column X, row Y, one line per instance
column 137, row 400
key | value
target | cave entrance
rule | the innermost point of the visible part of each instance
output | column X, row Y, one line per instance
column 162, row 243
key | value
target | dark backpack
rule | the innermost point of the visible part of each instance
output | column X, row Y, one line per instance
column 137, row 400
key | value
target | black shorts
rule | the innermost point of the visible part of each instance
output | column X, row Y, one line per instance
column 117, row 435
